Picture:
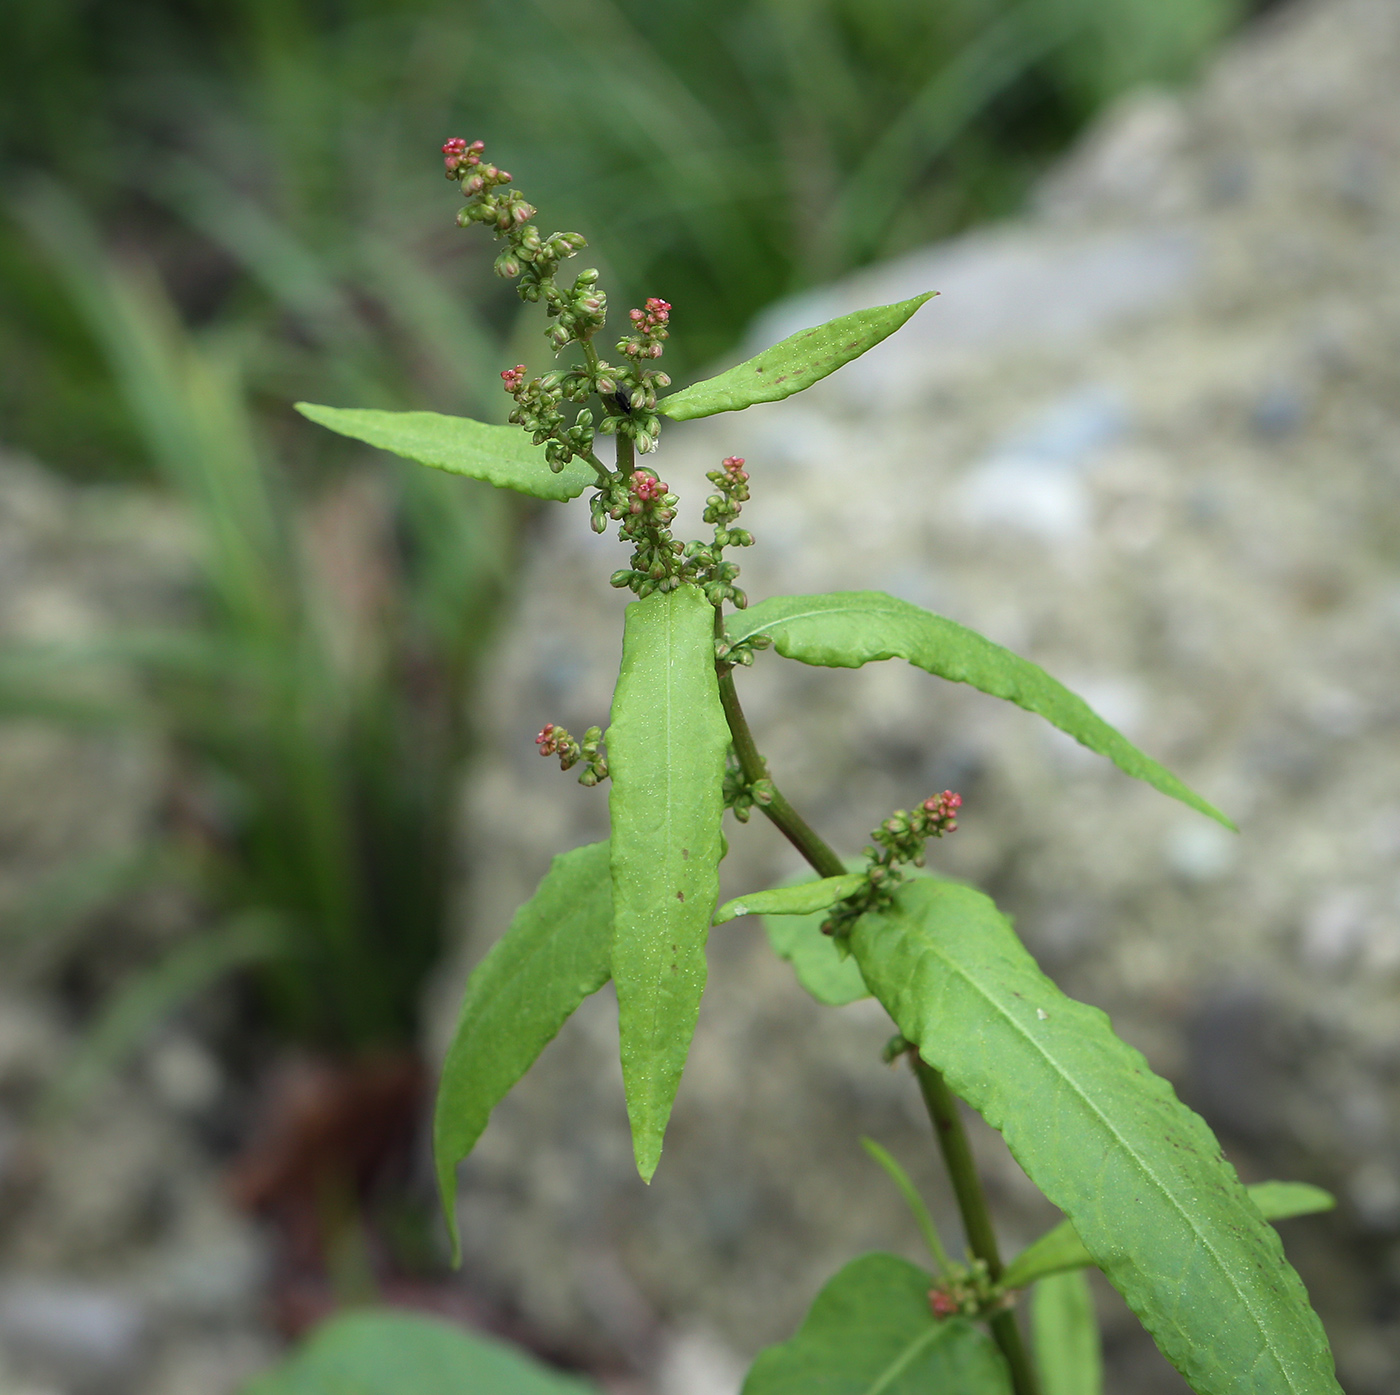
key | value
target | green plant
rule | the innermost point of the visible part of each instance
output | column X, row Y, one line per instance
column 1148, row 1197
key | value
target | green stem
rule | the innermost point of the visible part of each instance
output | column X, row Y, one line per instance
column 604, row 474
column 788, row 821
column 942, row 1106
column 626, row 455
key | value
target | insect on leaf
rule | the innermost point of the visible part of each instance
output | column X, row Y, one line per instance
column 666, row 755
column 400, row 1353
column 871, row 1332
column 500, row 455
column 1141, row 1177
column 796, row 363
column 556, row 952
column 802, row 899
column 846, row 629
column 1068, row 1355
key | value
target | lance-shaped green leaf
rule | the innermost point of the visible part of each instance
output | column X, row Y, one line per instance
column 1141, row 1177
column 500, row 455
column 1065, row 1332
column 871, row 1332
column 556, row 952
column 796, row 363
column 666, row 754
column 802, row 899
column 399, row 1353
column 846, row 629
column 1061, row 1249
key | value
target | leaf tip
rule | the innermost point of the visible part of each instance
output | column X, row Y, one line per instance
column 314, row 411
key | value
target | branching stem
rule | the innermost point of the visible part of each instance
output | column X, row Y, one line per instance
column 788, row 821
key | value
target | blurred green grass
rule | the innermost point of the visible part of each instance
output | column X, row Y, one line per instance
column 276, row 159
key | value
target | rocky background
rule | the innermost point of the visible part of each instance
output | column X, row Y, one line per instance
column 1148, row 436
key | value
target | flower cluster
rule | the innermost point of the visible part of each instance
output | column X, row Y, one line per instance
column 899, row 840
column 457, row 153
column 646, row 509
column 537, row 410
column 969, row 1292
column 650, row 330
column 555, row 741
column 740, row 795
column 578, row 311
column 626, row 392
column 721, row 509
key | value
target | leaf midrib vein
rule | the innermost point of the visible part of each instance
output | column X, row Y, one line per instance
column 1131, row 1152
column 901, row 1363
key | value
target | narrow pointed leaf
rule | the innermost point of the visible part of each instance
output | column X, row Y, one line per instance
column 500, row 455
column 556, row 953
column 871, row 1332
column 1061, row 1248
column 1065, row 1332
column 666, row 754
column 1140, row 1176
column 802, row 899
column 401, row 1353
column 796, row 363
column 846, row 629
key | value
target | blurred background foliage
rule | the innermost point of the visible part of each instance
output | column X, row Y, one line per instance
column 277, row 160
column 212, row 208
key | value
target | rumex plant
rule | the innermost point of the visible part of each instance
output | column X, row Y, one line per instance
column 1147, row 1195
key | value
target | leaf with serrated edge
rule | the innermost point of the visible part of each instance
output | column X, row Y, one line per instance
column 557, row 951
column 871, row 1332
column 1065, row 1331
column 846, row 629
column 802, row 899
column 666, row 756
column 501, row 455
column 1140, row 1176
column 1061, row 1248
column 400, row 1353
column 796, row 363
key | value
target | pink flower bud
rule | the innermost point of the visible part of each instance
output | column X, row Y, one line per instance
column 647, row 487
column 513, row 378
column 943, row 1303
